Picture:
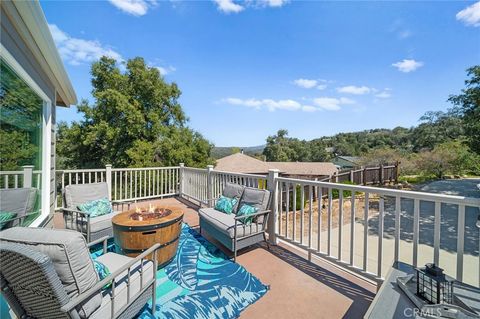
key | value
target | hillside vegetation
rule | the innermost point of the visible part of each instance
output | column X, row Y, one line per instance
column 443, row 143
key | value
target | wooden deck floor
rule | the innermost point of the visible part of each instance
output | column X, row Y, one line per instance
column 298, row 288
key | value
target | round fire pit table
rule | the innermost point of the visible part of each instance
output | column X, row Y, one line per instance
column 138, row 229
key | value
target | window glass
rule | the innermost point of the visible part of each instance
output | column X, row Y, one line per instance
column 21, row 112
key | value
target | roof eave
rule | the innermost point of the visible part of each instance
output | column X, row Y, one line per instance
column 45, row 50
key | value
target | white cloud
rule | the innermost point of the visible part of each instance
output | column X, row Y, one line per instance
column 228, row 6
column 407, row 65
column 403, row 34
column 470, row 15
column 164, row 70
column 352, row 89
column 305, row 83
column 76, row 51
column 134, row 7
column 274, row 3
column 398, row 27
column 331, row 103
column 309, row 83
column 236, row 6
column 270, row 104
column 385, row 94
column 309, row 108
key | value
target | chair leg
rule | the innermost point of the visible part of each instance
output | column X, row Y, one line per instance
column 234, row 251
column 265, row 238
column 154, row 297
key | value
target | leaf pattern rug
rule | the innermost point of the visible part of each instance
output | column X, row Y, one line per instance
column 201, row 282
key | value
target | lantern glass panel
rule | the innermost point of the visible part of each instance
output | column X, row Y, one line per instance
column 435, row 289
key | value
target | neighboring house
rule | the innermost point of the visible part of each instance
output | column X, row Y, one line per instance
column 33, row 83
column 346, row 162
column 241, row 163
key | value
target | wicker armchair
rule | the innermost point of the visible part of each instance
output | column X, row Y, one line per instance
column 50, row 279
column 91, row 228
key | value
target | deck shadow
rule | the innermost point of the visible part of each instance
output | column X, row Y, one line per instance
column 361, row 297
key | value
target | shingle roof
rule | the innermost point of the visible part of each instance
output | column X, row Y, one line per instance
column 304, row 168
column 241, row 163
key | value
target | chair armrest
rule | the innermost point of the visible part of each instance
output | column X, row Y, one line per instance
column 118, row 203
column 264, row 212
column 19, row 217
column 122, row 202
column 70, row 211
column 103, row 240
column 209, row 200
column 99, row 285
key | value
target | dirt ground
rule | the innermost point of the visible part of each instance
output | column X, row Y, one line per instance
column 314, row 218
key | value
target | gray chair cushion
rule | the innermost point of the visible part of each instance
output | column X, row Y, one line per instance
column 82, row 193
column 225, row 223
column 233, row 191
column 70, row 256
column 258, row 198
column 113, row 263
column 96, row 223
column 18, row 200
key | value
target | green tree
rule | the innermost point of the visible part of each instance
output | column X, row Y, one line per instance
column 467, row 105
column 436, row 128
column 277, row 148
column 453, row 157
column 136, row 120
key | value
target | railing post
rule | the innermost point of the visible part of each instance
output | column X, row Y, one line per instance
column 108, row 178
column 272, row 184
column 364, row 176
column 209, row 185
column 381, row 174
column 397, row 172
column 27, row 176
column 180, row 179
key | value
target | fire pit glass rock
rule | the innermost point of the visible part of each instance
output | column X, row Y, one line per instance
column 150, row 214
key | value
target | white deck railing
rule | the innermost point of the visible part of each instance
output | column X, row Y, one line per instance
column 125, row 184
column 360, row 228
column 361, row 241
column 18, row 179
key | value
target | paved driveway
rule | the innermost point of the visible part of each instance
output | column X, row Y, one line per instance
column 449, row 216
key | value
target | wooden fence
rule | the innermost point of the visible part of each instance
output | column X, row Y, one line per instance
column 368, row 175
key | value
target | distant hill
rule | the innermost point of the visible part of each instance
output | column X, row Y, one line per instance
column 222, row 151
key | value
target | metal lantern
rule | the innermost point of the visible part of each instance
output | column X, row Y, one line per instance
column 433, row 285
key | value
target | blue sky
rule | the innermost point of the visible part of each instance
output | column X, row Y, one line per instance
column 247, row 69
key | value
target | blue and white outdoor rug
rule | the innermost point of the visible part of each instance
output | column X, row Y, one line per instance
column 201, row 282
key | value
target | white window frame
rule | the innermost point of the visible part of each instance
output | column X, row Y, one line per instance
column 46, row 133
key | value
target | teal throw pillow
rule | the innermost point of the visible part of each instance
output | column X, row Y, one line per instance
column 102, row 271
column 225, row 204
column 5, row 217
column 98, row 207
column 246, row 210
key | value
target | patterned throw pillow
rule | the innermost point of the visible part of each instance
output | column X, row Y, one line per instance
column 5, row 218
column 225, row 204
column 102, row 271
column 97, row 207
column 246, row 210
